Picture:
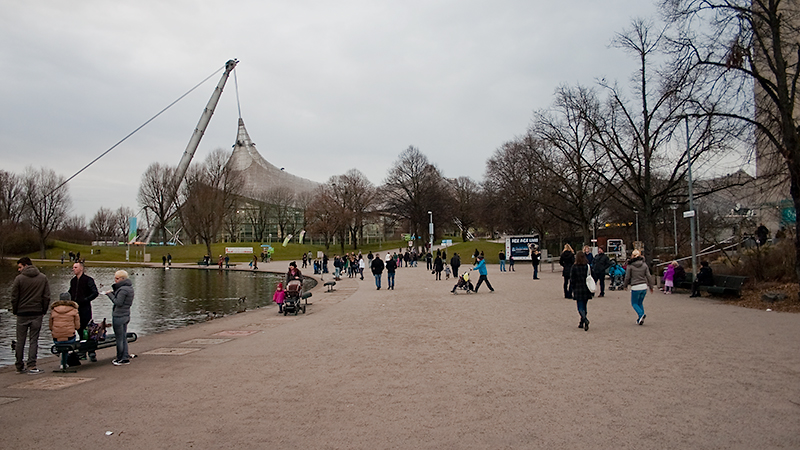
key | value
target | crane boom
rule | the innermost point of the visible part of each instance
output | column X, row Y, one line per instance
column 199, row 131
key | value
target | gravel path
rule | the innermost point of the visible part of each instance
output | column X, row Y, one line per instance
column 419, row 367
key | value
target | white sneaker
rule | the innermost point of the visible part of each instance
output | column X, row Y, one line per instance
column 35, row 371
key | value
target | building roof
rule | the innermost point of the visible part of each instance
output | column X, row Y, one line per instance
column 260, row 176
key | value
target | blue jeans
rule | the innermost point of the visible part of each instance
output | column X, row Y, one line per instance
column 502, row 265
column 535, row 271
column 390, row 279
column 637, row 298
column 377, row 280
column 582, row 307
column 64, row 355
column 120, row 325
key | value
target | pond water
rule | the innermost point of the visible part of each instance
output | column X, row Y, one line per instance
column 164, row 299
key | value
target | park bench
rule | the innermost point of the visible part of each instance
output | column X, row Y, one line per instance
column 723, row 284
column 726, row 285
column 86, row 346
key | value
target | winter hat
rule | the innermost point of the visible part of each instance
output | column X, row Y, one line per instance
column 64, row 296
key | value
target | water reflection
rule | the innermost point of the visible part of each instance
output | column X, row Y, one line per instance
column 165, row 299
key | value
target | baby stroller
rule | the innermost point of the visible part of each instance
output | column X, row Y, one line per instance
column 291, row 303
column 464, row 283
column 616, row 274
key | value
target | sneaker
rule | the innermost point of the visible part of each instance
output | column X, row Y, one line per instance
column 35, row 371
column 21, row 372
column 120, row 363
column 131, row 356
column 641, row 319
column 92, row 357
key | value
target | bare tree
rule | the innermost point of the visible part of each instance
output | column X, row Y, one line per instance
column 209, row 196
column 46, row 204
column 122, row 222
column 281, row 202
column 358, row 197
column 156, row 189
column 74, row 229
column 326, row 214
column 564, row 140
column 467, row 194
column 647, row 163
column 103, row 225
column 257, row 213
column 413, row 187
column 514, row 184
column 12, row 206
column 738, row 44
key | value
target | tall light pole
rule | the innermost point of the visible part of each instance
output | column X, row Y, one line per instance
column 430, row 229
column 691, row 213
column 674, row 208
column 636, row 211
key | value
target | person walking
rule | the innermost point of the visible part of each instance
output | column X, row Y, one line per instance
column 639, row 278
column 455, row 263
column 121, row 295
column 669, row 277
column 30, row 299
column 481, row 268
column 502, row 257
column 361, row 266
column 279, row 296
column 536, row 257
column 438, row 267
column 391, row 267
column 82, row 290
column 64, row 322
column 255, row 262
column 511, row 262
column 589, row 257
column 601, row 264
column 580, row 292
column 566, row 261
column 377, row 267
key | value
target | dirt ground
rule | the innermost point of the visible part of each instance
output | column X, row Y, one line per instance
column 419, row 367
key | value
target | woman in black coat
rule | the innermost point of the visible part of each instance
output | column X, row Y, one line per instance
column 438, row 266
column 580, row 292
column 566, row 261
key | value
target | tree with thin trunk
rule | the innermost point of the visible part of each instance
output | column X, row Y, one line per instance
column 122, row 222
column 12, row 206
column 209, row 196
column 103, row 225
column 741, row 44
column 156, row 189
column 414, row 187
column 47, row 202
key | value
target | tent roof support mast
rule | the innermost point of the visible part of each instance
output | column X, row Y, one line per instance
column 199, row 131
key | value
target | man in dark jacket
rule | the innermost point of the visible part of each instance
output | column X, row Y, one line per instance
column 30, row 300
column 377, row 269
column 600, row 265
column 455, row 263
column 391, row 267
column 536, row 257
column 82, row 290
column 705, row 277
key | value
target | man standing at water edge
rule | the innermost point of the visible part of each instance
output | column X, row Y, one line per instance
column 30, row 299
column 377, row 269
column 82, row 290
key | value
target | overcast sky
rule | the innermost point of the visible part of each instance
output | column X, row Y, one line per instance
column 324, row 86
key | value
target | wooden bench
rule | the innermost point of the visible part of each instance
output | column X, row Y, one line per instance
column 330, row 285
column 86, row 345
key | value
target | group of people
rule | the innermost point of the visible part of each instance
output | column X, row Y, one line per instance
column 69, row 316
column 578, row 268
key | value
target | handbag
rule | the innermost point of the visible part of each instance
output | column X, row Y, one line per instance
column 590, row 282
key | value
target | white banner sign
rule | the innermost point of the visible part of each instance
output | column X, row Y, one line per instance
column 242, row 250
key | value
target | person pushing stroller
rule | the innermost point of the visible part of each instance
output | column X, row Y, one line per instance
column 463, row 283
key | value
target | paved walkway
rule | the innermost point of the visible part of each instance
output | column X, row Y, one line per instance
column 418, row 367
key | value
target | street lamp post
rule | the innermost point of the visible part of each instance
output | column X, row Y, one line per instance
column 430, row 230
column 674, row 208
column 636, row 211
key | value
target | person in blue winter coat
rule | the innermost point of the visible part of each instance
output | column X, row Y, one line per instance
column 481, row 268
